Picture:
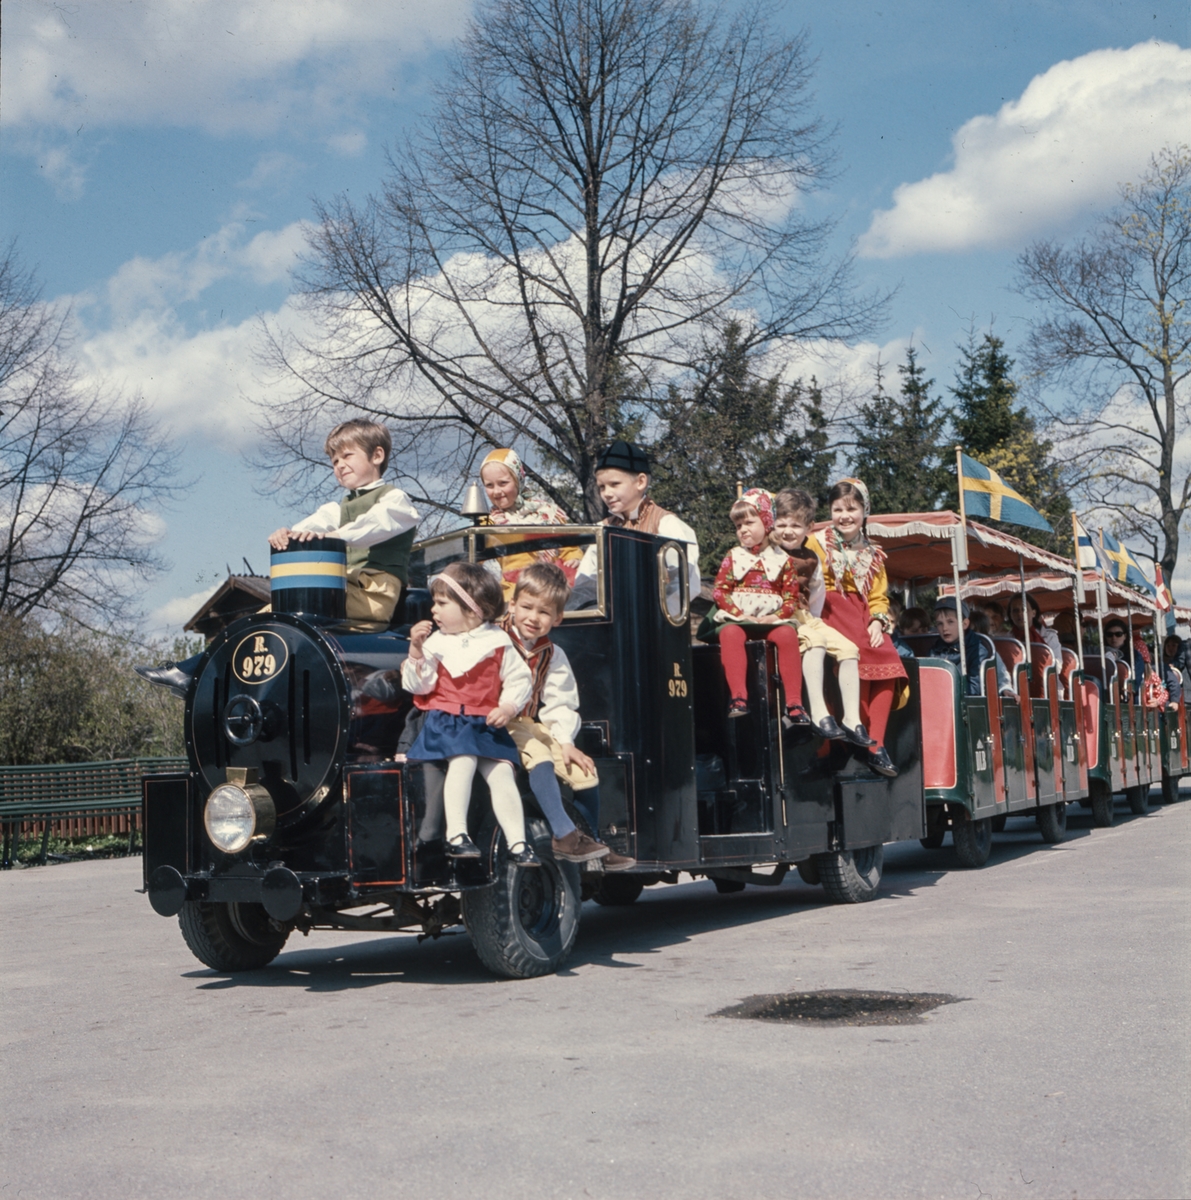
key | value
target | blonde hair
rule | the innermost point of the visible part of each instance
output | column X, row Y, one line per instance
column 365, row 435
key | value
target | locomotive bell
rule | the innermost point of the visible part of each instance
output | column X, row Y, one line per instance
column 475, row 503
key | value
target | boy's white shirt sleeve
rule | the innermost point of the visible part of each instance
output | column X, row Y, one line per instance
column 560, row 699
column 515, row 678
column 677, row 529
column 419, row 675
column 391, row 515
column 818, row 592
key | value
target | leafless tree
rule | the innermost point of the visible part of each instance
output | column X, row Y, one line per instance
column 1116, row 331
column 80, row 471
column 604, row 185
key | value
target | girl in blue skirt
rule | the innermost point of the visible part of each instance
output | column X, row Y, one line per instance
column 470, row 682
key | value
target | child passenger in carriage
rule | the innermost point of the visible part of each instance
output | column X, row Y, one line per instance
column 976, row 650
column 545, row 728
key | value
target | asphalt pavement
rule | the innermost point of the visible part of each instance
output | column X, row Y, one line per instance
column 375, row 1066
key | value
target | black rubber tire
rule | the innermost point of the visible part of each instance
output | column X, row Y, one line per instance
column 973, row 840
column 726, row 887
column 1139, row 799
column 230, row 937
column 1103, row 804
column 851, row 876
column 618, row 890
column 998, row 823
column 1085, row 803
column 526, row 921
column 808, row 872
column 934, row 839
column 1170, row 789
column 1052, row 822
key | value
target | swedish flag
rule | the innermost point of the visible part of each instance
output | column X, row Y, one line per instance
column 986, row 494
column 1123, row 567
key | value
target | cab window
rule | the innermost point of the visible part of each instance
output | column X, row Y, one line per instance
column 672, row 583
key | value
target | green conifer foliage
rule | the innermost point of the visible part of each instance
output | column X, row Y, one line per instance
column 901, row 452
column 736, row 427
column 993, row 429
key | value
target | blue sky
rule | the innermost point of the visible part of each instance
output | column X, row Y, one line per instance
column 157, row 159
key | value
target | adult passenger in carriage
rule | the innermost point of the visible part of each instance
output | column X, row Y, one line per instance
column 1174, row 660
column 976, row 649
column 622, row 475
column 857, row 604
column 513, row 503
column 996, row 618
column 1040, row 633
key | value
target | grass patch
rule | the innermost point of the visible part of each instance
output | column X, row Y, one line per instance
column 77, row 849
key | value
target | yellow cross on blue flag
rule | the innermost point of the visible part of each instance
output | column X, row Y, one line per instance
column 986, row 494
column 1123, row 567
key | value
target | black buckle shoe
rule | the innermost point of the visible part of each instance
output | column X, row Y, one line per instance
column 169, row 676
column 880, row 762
column 738, row 708
column 796, row 718
column 859, row 737
column 829, row 729
column 461, row 846
column 523, row 856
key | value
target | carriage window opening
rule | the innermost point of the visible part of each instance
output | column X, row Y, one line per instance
column 672, row 583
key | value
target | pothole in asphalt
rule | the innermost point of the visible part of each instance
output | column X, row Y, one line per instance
column 843, row 1007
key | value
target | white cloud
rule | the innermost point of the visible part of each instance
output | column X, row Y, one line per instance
column 219, row 65
column 1053, row 155
column 169, row 618
column 275, row 167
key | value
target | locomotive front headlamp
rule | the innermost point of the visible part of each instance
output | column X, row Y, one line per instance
column 239, row 812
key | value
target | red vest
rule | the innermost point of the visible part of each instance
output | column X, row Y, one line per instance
column 475, row 693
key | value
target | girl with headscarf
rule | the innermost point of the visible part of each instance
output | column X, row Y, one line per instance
column 857, row 605
column 503, row 476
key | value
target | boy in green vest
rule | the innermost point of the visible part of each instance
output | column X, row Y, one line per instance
column 375, row 519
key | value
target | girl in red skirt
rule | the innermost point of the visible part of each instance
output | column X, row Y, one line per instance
column 857, row 605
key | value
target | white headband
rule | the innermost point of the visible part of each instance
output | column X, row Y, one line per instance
column 455, row 587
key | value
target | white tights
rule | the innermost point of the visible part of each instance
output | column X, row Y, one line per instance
column 849, row 686
column 506, row 799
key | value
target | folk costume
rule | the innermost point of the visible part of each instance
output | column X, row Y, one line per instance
column 648, row 517
column 458, row 681
column 529, row 509
column 857, row 592
column 378, row 523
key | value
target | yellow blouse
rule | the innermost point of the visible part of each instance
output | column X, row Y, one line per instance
column 878, row 588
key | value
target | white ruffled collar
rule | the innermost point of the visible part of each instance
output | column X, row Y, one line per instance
column 459, row 652
column 770, row 560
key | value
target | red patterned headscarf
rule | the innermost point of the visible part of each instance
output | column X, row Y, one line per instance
column 762, row 501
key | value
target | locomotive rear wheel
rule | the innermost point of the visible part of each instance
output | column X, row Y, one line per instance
column 851, row 876
column 230, row 937
column 1170, row 789
column 526, row 921
column 973, row 840
column 615, row 891
column 1103, row 813
column 1052, row 822
column 1139, row 799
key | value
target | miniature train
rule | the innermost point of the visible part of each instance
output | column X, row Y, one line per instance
column 298, row 810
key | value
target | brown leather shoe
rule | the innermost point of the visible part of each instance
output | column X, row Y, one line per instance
column 617, row 862
column 577, row 847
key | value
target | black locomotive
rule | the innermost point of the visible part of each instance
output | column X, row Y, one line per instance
column 299, row 812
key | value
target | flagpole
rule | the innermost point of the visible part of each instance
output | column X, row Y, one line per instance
column 959, row 603
column 1077, row 588
column 1103, row 595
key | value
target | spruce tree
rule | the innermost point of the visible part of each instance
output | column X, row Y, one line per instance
column 991, row 427
column 900, row 449
column 735, row 427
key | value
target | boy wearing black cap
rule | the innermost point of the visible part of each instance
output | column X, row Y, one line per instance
column 622, row 475
column 976, row 649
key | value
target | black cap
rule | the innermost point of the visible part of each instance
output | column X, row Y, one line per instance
column 624, row 456
column 949, row 603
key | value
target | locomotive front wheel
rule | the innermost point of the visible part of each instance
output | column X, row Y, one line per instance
column 1170, row 789
column 973, row 840
column 933, row 839
column 1102, row 803
column 999, row 822
column 614, row 891
column 230, row 937
column 1052, row 822
column 851, row 876
column 1139, row 799
column 525, row 922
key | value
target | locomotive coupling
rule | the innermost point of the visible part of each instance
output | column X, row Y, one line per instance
column 239, row 811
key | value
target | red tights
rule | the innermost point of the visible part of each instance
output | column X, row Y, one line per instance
column 876, row 701
column 789, row 660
